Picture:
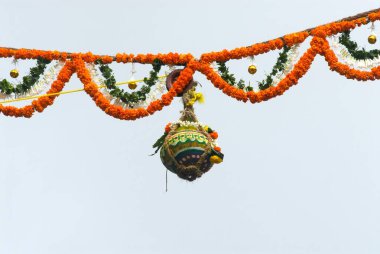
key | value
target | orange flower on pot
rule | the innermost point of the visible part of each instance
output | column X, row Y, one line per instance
column 214, row 135
column 168, row 127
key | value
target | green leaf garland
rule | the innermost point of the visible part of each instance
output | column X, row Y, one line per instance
column 126, row 97
column 278, row 67
column 352, row 48
column 266, row 83
column 230, row 78
column 28, row 81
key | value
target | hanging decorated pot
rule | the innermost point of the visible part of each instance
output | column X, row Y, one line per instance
column 188, row 148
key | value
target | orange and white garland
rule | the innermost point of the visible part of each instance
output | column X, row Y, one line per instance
column 41, row 85
column 345, row 57
column 80, row 63
column 153, row 95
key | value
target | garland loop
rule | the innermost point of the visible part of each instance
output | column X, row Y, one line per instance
column 76, row 63
column 126, row 97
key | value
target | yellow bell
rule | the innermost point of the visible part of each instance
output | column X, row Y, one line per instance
column 372, row 39
column 132, row 85
column 215, row 159
column 252, row 69
column 14, row 73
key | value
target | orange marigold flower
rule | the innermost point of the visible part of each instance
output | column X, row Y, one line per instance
column 168, row 127
column 214, row 135
column 217, row 148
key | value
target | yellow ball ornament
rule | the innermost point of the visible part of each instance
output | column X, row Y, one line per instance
column 215, row 159
column 14, row 73
column 252, row 69
column 372, row 39
column 132, row 85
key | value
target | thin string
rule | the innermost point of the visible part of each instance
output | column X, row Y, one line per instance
column 71, row 91
column 166, row 180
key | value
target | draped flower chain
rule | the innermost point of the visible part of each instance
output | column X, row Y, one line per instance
column 345, row 57
column 41, row 84
column 285, row 63
column 337, row 56
column 153, row 95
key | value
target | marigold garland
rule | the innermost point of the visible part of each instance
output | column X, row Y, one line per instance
column 75, row 63
column 130, row 114
column 41, row 103
column 343, row 69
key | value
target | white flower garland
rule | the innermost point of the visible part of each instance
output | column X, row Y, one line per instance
column 189, row 124
column 345, row 57
column 154, row 94
column 293, row 57
column 42, row 84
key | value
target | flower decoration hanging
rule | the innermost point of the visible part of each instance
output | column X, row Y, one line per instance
column 188, row 148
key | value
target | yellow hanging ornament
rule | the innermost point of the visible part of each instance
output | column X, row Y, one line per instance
column 216, row 159
column 14, row 73
column 132, row 85
column 372, row 39
column 252, row 69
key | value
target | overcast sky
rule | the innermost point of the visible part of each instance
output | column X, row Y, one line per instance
column 301, row 172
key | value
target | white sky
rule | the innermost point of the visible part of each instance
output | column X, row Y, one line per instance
column 301, row 172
